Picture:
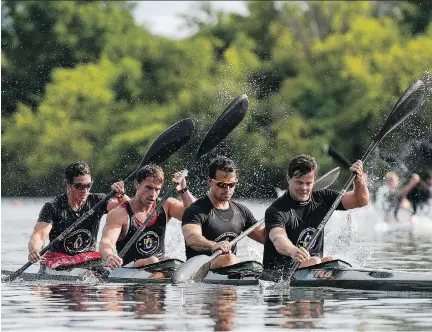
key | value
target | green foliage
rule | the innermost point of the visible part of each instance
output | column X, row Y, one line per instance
column 81, row 81
column 38, row 36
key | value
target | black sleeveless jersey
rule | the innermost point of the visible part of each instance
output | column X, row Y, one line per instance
column 217, row 225
column 60, row 215
column 152, row 240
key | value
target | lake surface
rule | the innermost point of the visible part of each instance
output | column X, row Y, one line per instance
column 358, row 237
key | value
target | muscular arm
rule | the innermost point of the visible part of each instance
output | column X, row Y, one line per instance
column 187, row 198
column 281, row 242
column 357, row 198
column 40, row 233
column 258, row 234
column 111, row 232
column 176, row 208
column 119, row 190
column 113, row 203
column 194, row 238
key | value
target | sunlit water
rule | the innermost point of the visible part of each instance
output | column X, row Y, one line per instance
column 359, row 237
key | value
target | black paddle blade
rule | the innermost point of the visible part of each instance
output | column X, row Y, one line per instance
column 338, row 157
column 411, row 99
column 170, row 141
column 227, row 121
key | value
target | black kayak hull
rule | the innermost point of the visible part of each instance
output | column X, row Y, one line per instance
column 335, row 274
column 340, row 274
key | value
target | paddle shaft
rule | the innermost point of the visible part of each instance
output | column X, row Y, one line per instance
column 238, row 238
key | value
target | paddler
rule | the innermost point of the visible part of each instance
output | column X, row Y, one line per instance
column 211, row 222
column 123, row 222
column 293, row 218
column 419, row 192
column 61, row 212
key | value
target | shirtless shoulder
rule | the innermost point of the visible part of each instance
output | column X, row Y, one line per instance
column 118, row 216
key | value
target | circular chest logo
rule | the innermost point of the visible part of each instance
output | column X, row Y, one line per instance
column 148, row 243
column 78, row 241
column 305, row 237
column 228, row 236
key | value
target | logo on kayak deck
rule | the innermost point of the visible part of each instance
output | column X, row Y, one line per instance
column 305, row 236
column 148, row 243
column 78, row 241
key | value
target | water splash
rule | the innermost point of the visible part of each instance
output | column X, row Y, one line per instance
column 174, row 241
column 254, row 250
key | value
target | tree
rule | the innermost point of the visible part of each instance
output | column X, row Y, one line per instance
column 38, row 36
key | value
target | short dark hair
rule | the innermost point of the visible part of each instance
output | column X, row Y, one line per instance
column 301, row 165
column 221, row 163
column 76, row 169
column 150, row 170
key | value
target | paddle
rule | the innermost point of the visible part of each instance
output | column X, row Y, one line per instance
column 162, row 148
column 410, row 100
column 227, row 121
column 336, row 155
column 198, row 267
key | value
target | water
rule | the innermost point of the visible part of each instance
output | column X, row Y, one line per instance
column 359, row 237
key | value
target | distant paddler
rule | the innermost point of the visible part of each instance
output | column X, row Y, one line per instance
column 124, row 221
column 420, row 192
column 79, row 246
column 390, row 197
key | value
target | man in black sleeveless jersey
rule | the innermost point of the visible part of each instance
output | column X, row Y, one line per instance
column 65, row 209
column 293, row 218
column 214, row 220
column 123, row 222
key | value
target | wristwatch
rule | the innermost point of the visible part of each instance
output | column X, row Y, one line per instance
column 182, row 191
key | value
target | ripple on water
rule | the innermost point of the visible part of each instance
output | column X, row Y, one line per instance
column 50, row 306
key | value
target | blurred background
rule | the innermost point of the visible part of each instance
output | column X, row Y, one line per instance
column 100, row 80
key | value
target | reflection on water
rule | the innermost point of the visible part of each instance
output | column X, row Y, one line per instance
column 67, row 307
column 359, row 239
column 300, row 314
column 222, row 308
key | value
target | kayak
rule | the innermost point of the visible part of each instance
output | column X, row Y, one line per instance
column 334, row 274
column 153, row 273
column 340, row 274
column 244, row 273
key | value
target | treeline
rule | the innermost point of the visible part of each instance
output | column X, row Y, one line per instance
column 81, row 81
